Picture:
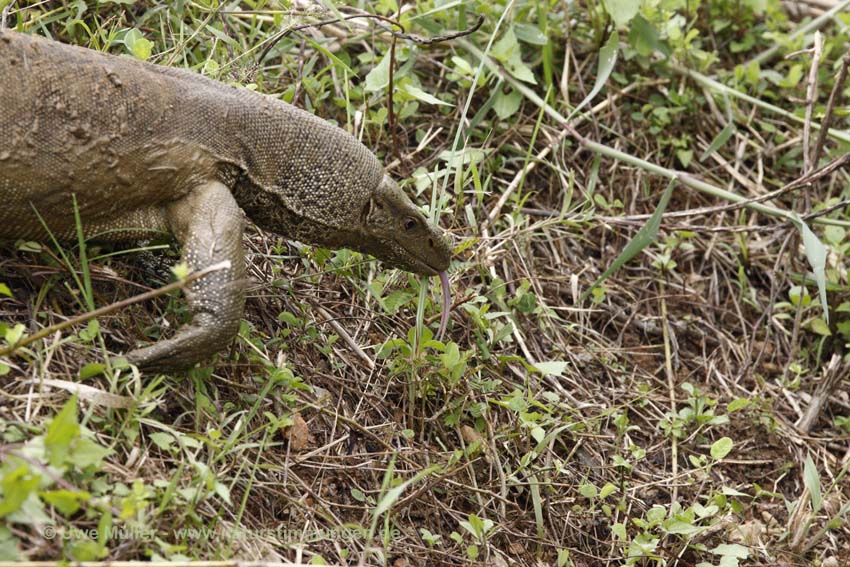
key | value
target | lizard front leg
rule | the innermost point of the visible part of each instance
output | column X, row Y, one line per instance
column 208, row 223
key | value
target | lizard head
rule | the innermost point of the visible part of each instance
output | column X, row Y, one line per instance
column 394, row 231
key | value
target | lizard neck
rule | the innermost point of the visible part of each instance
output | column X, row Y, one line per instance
column 271, row 212
column 300, row 169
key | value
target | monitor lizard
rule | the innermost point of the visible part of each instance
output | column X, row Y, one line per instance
column 135, row 147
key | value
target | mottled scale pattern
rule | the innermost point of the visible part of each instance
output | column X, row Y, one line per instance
column 145, row 148
column 178, row 128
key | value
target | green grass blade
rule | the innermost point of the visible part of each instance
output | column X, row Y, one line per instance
column 84, row 263
column 816, row 254
column 644, row 237
column 607, row 60
column 811, row 478
column 718, row 141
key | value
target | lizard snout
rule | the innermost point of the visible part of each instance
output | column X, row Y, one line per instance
column 440, row 251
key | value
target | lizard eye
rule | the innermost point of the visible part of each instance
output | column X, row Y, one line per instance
column 410, row 223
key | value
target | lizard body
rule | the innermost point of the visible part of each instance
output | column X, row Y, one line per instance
column 143, row 148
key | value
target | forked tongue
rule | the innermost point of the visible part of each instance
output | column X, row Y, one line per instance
column 447, row 305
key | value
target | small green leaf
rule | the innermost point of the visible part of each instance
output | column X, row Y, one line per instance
column 607, row 60
column 608, row 490
column 538, row 433
column 656, row 513
column 66, row 501
column 736, row 404
column 428, row 537
column 619, row 530
column 721, row 448
column 552, row 367
column 61, row 432
column 29, row 246
column 588, row 490
column 757, row 6
column 644, row 37
column 104, row 528
column 685, row 157
column 451, row 356
column 508, row 52
column 15, row 334
column 9, row 544
column 180, row 270
column 137, row 45
column 379, row 77
column 87, row 550
column 704, row 511
column 680, row 527
column 732, row 550
column 796, row 293
column 795, row 74
column 288, row 318
column 506, row 105
column 719, row 141
column 162, row 440
column 4, row 290
column 222, row 491
column 419, row 94
column 477, row 524
column 210, row 68
column 820, row 327
column 395, row 300
column 90, row 332
column 87, row 453
column 92, row 369
column 816, row 254
column 17, row 486
column 832, row 234
column 387, row 6
column 531, row 34
column 621, row 11
column 462, row 66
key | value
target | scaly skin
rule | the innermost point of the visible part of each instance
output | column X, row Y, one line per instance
column 148, row 148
